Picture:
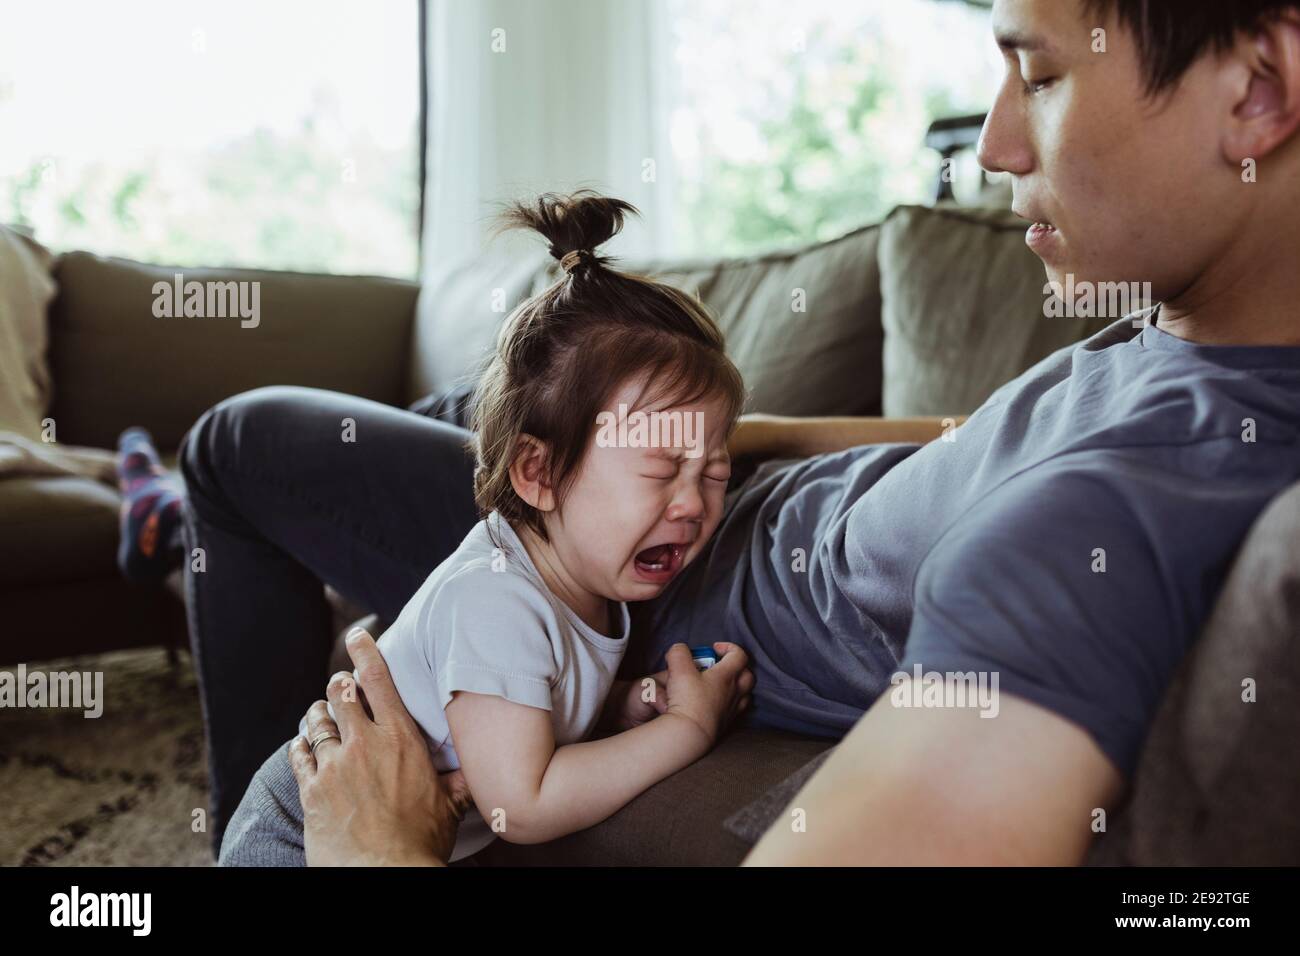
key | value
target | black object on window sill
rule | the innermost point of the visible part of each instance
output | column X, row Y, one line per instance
column 949, row 137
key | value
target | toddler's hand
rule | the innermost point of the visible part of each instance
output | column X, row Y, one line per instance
column 641, row 700
column 709, row 699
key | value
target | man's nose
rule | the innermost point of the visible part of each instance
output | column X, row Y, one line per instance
column 1004, row 146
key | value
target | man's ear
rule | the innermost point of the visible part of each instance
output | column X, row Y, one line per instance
column 530, row 473
column 1267, row 111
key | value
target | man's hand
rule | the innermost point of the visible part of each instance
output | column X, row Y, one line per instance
column 373, row 798
column 945, row 787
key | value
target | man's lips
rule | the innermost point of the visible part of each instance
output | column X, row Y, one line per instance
column 1043, row 239
column 1042, row 234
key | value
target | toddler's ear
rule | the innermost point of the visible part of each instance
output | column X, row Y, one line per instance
column 530, row 473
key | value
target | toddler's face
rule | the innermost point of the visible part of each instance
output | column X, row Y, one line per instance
column 646, row 497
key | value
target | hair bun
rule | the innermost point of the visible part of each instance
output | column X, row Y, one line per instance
column 571, row 260
column 575, row 225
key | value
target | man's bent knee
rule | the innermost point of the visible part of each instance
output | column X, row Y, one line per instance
column 215, row 440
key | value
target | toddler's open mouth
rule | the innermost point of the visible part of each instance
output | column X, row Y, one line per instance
column 659, row 563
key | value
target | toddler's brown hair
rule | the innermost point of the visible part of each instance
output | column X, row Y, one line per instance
column 562, row 354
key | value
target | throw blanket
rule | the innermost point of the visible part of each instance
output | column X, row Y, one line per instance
column 23, row 458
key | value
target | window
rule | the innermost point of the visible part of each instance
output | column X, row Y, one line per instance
column 794, row 122
column 277, row 135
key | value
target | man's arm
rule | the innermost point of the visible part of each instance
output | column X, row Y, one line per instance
column 371, row 797
column 759, row 437
column 945, row 786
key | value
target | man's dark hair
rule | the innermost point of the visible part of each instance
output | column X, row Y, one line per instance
column 1173, row 34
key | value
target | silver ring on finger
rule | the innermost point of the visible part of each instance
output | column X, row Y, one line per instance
column 321, row 738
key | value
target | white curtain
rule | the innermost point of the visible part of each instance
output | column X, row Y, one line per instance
column 527, row 96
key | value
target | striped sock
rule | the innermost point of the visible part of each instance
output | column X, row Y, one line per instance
column 149, row 545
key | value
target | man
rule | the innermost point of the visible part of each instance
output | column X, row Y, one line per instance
column 1070, row 541
column 1132, row 161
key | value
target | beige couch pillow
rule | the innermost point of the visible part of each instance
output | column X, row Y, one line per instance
column 963, row 308
column 803, row 326
column 26, row 289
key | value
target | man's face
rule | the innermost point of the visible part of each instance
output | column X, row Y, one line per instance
column 1127, row 188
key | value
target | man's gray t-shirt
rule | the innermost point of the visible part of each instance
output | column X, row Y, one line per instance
column 1071, row 537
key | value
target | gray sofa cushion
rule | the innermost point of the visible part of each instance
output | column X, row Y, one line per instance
column 56, row 529
column 963, row 309
column 751, row 821
column 677, row 822
column 824, row 360
column 1218, row 782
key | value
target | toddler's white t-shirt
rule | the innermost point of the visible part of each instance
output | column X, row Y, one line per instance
column 485, row 622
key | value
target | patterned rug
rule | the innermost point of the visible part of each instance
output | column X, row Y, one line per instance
column 121, row 789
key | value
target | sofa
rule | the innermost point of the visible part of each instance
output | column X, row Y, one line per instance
column 925, row 313
column 112, row 363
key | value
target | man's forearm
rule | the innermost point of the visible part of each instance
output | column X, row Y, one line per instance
column 772, row 436
column 942, row 786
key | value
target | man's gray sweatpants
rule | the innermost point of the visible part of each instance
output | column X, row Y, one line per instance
column 266, row 829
